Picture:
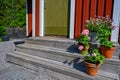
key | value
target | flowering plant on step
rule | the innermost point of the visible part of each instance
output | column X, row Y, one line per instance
column 94, row 57
column 95, row 24
column 101, row 26
column 93, row 61
column 83, row 42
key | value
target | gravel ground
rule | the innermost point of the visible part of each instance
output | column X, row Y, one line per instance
column 7, row 47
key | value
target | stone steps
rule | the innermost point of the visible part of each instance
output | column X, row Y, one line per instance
column 60, row 58
column 55, row 68
column 64, row 56
column 63, row 43
column 48, row 52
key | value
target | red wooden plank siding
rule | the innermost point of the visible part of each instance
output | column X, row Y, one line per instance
column 93, row 8
column 86, row 9
column 109, row 8
column 37, row 18
column 101, row 7
column 78, row 17
column 29, row 6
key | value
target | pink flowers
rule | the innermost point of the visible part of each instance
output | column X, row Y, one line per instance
column 81, row 47
column 85, row 32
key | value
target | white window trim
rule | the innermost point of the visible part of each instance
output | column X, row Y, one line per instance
column 116, row 21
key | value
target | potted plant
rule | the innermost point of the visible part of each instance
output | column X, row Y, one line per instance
column 106, row 46
column 93, row 61
column 95, row 24
column 83, row 42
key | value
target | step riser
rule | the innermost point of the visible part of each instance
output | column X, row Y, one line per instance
column 48, row 54
column 56, row 44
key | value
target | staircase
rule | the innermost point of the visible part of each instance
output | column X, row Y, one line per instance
column 59, row 58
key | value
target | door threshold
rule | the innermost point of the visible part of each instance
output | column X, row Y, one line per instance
column 53, row 38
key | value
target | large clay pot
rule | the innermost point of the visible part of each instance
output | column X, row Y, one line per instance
column 92, row 69
column 107, row 51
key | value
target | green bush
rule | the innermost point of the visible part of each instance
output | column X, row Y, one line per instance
column 0, row 40
column 2, row 31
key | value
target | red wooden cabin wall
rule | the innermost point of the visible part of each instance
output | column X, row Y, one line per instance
column 29, row 13
column 86, row 9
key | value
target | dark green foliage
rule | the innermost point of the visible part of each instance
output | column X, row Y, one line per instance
column 2, row 31
column 12, row 13
column 0, row 40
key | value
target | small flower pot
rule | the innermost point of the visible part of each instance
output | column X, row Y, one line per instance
column 106, row 51
column 92, row 69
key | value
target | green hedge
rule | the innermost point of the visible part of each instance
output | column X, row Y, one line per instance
column 13, row 13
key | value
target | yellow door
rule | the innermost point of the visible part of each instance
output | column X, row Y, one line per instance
column 56, row 15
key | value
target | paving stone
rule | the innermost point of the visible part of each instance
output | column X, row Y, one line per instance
column 17, row 73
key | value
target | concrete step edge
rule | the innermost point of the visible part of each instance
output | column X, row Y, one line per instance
column 51, row 39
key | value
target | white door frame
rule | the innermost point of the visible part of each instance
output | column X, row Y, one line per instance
column 26, row 17
column 41, row 17
column 116, row 21
column 33, row 17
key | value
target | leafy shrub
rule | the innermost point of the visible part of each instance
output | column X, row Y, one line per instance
column 2, row 31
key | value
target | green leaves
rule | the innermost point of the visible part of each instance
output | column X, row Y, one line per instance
column 2, row 31
column 106, row 42
column 95, row 57
column 13, row 13
column 0, row 40
column 84, row 39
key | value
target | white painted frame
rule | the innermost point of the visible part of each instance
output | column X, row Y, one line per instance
column 41, row 17
column 26, row 18
column 72, row 19
column 33, row 17
column 116, row 21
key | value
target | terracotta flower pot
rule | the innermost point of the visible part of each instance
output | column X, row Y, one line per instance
column 106, row 51
column 92, row 69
